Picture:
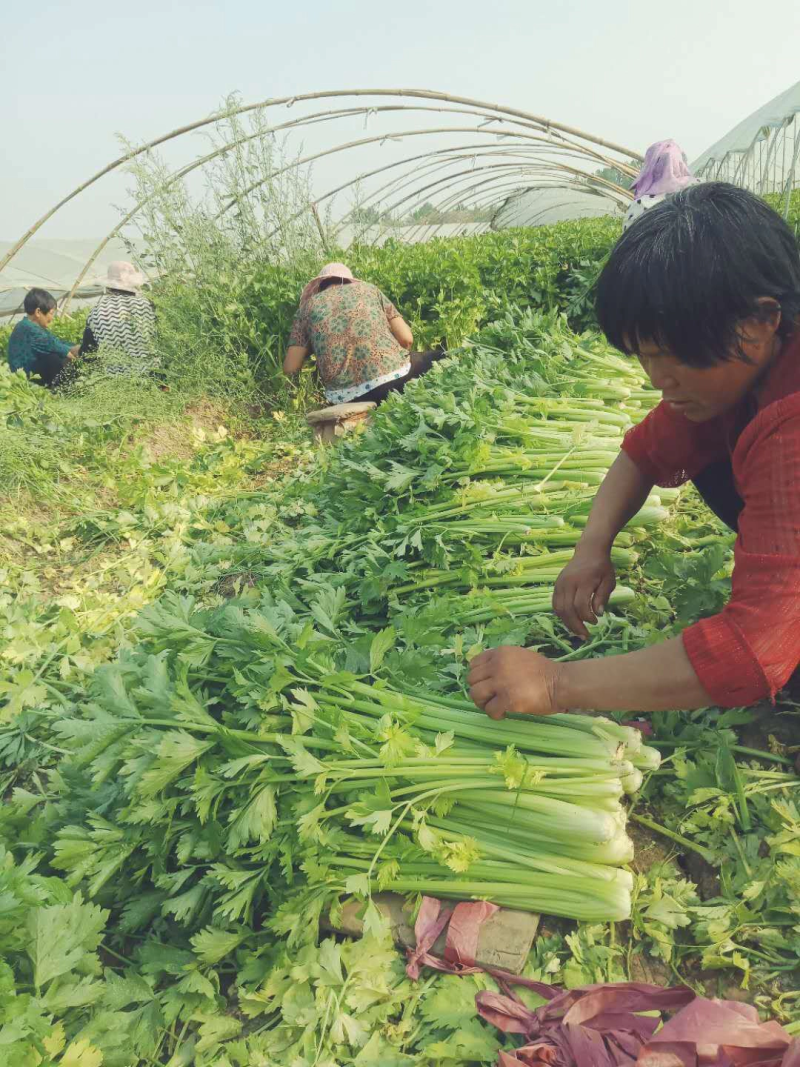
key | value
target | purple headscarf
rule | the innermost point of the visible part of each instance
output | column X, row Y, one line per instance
column 664, row 171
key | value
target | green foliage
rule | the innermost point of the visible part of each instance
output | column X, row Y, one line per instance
column 126, row 520
column 699, row 580
column 743, row 919
column 45, row 439
column 207, row 253
column 51, row 977
column 788, row 207
column 160, row 786
column 174, row 822
column 612, row 174
column 447, row 288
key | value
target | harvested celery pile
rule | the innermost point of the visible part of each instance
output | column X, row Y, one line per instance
column 313, row 735
column 245, row 764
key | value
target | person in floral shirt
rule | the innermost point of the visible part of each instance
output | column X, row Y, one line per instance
column 362, row 343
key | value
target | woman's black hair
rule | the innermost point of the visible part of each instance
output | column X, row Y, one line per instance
column 38, row 300
column 326, row 283
column 690, row 270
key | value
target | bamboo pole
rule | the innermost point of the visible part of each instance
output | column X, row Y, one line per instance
column 493, row 167
column 435, row 162
column 585, row 182
column 322, row 236
column 360, row 142
column 448, row 156
column 493, row 180
column 424, row 94
column 470, row 152
column 252, row 188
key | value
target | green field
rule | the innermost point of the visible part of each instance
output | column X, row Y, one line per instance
column 232, row 688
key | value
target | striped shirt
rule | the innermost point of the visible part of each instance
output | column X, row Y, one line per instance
column 124, row 324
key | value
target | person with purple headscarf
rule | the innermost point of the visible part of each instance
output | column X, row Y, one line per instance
column 663, row 172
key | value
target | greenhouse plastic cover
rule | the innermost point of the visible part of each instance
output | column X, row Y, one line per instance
column 54, row 265
column 540, row 207
column 742, row 137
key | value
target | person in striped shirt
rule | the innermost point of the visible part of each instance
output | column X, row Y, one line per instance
column 123, row 324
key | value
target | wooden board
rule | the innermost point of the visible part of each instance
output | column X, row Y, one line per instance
column 340, row 411
column 330, row 423
column 504, row 941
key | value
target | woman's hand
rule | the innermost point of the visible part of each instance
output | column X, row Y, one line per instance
column 582, row 589
column 510, row 679
column 585, row 584
column 295, row 357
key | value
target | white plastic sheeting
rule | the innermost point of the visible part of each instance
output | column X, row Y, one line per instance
column 541, row 207
column 761, row 152
column 54, row 265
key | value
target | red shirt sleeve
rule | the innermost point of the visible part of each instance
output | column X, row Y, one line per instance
column 751, row 648
column 671, row 450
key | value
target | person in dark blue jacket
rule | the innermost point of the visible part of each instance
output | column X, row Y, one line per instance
column 33, row 348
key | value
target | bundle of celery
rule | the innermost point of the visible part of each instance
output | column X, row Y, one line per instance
column 503, row 464
column 526, row 814
column 506, row 571
column 250, row 762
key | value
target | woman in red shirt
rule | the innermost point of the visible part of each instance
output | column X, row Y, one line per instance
column 705, row 291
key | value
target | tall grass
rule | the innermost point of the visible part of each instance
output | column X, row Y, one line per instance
column 216, row 254
column 232, row 257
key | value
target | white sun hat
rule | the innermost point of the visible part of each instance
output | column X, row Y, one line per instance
column 123, row 275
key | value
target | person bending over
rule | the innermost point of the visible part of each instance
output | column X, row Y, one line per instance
column 705, row 291
column 362, row 343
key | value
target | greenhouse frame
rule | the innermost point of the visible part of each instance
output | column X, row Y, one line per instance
column 445, row 151
column 409, row 160
column 761, row 153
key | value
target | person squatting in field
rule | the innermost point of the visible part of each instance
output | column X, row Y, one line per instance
column 704, row 290
column 122, row 324
column 33, row 348
column 361, row 342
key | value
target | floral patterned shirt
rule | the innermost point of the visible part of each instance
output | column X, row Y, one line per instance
column 347, row 327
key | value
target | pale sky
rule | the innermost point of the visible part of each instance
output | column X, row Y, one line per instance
column 73, row 76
